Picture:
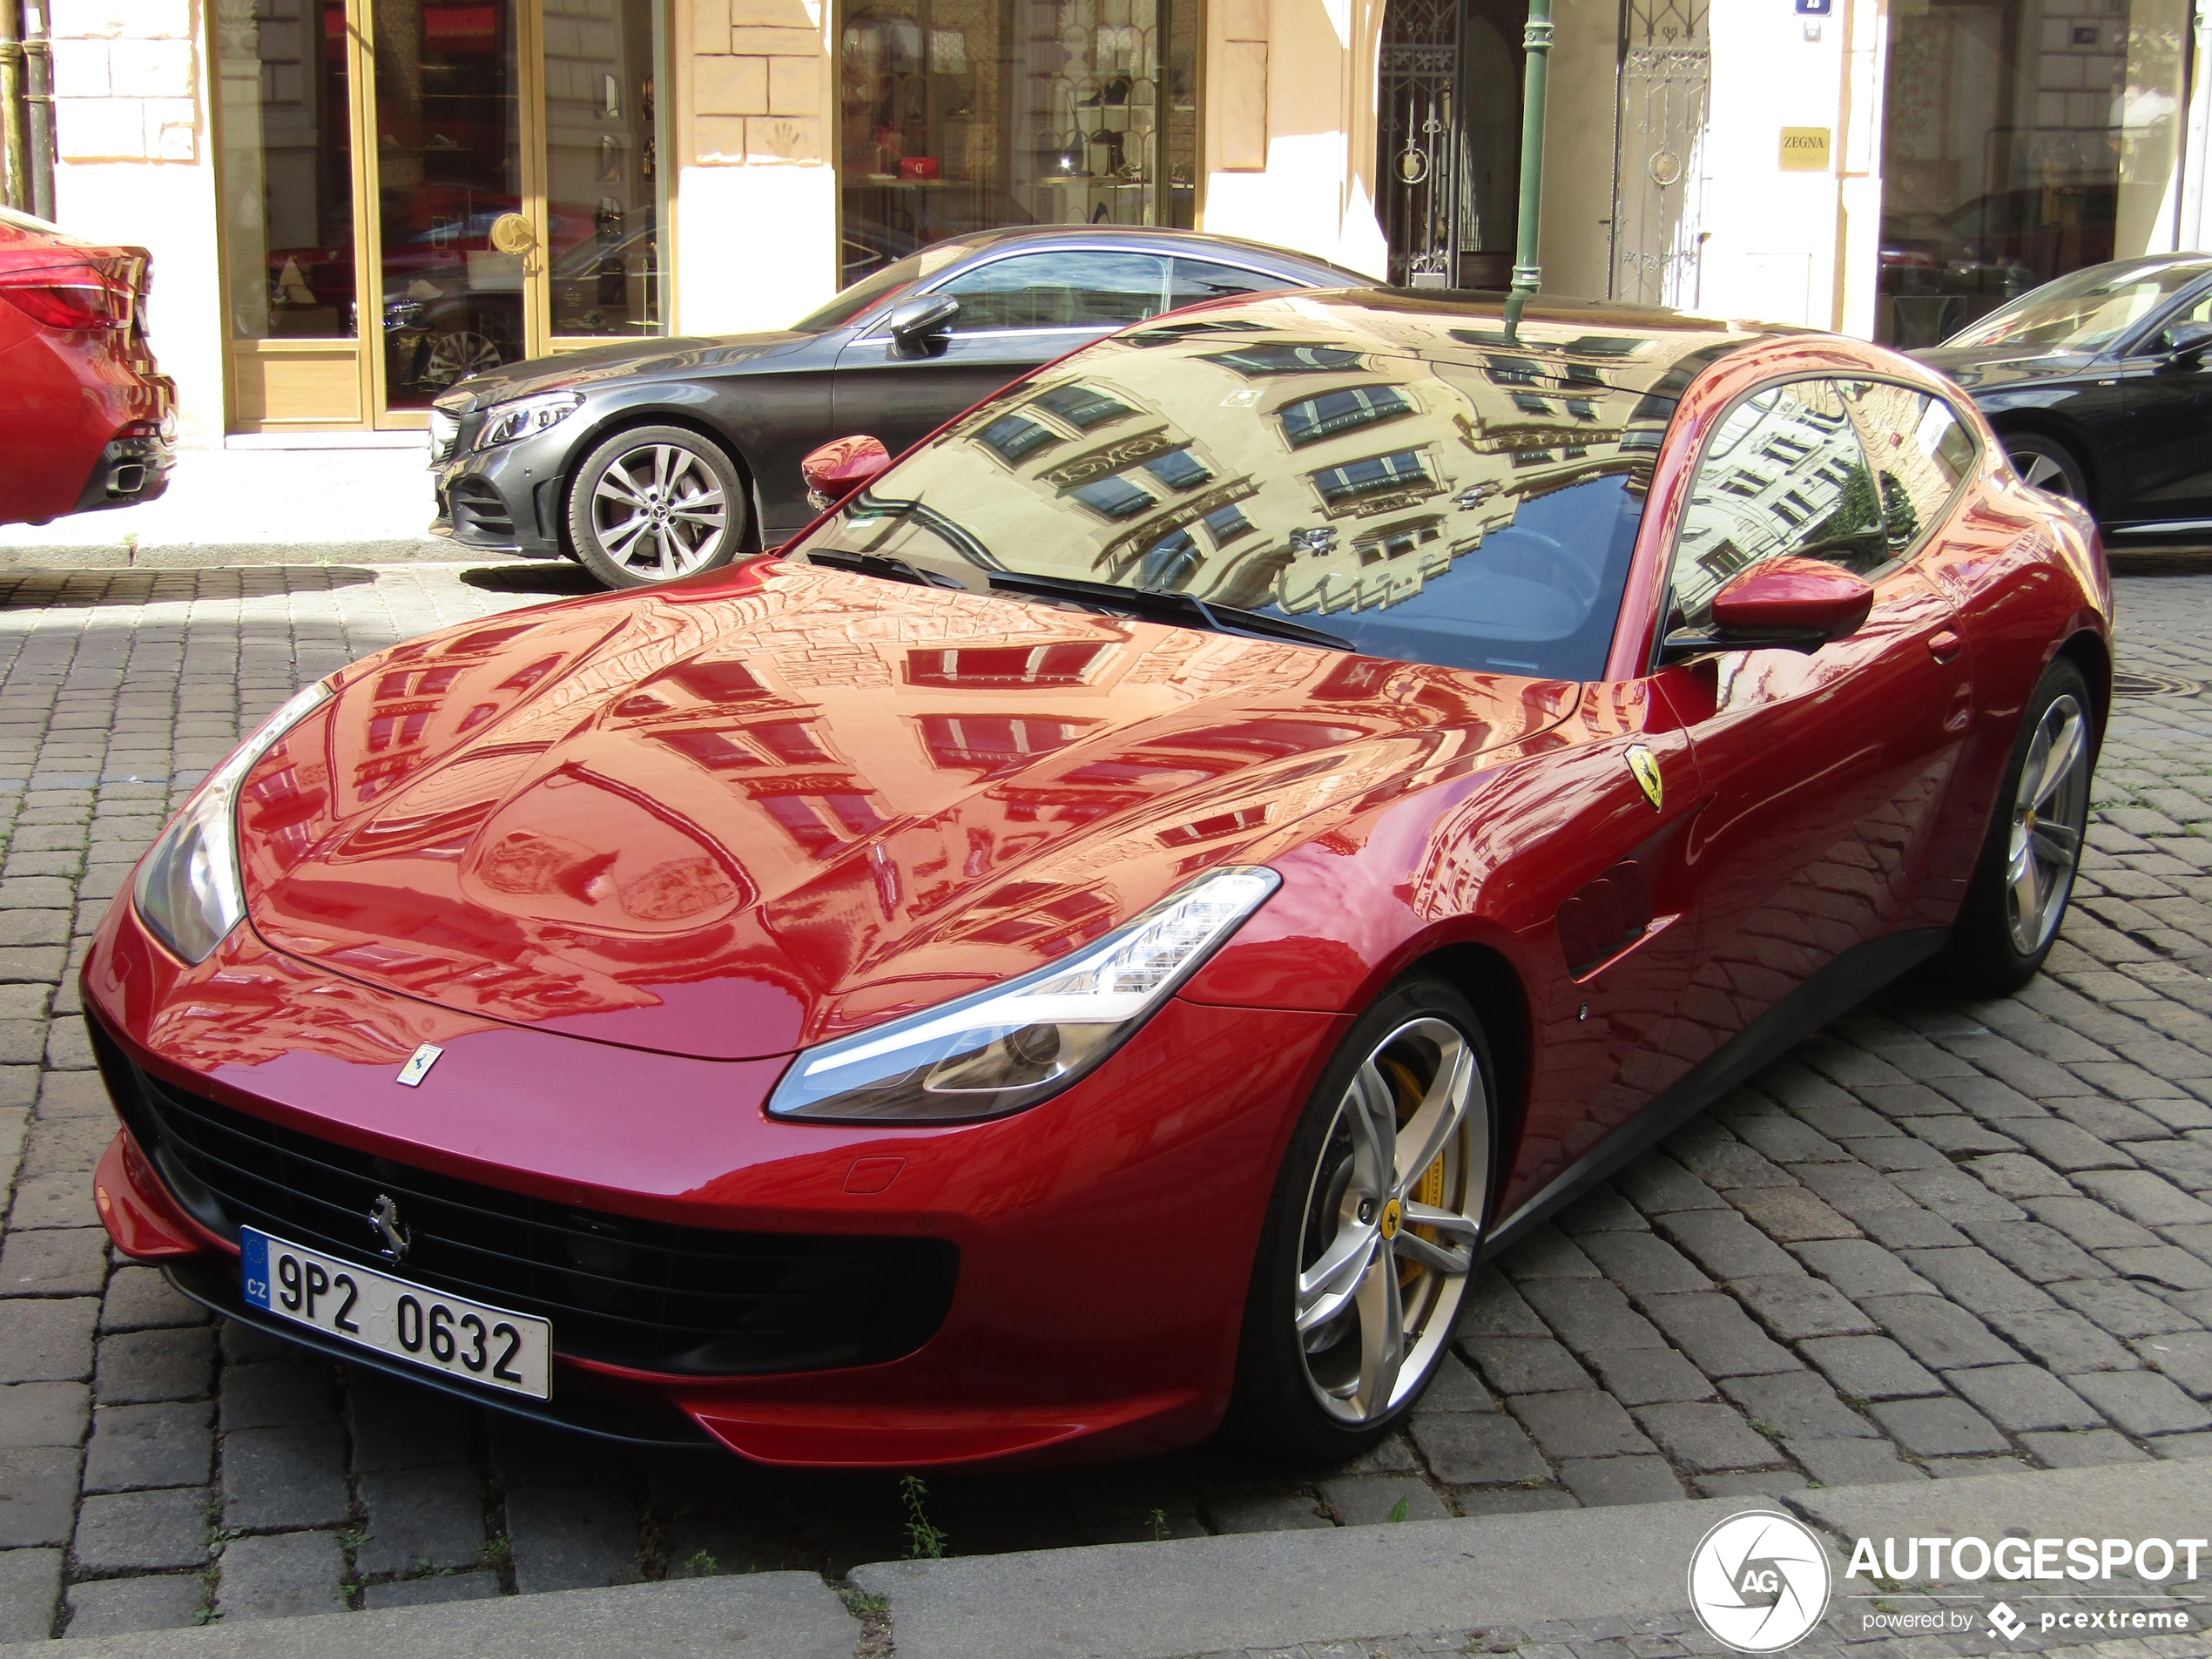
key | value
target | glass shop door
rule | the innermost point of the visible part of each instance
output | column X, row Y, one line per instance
column 418, row 190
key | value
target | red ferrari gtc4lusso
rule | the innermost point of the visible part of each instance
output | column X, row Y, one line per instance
column 1105, row 930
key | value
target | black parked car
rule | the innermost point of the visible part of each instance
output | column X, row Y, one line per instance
column 2100, row 387
column 656, row 459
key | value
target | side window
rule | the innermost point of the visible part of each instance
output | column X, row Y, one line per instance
column 1784, row 473
column 1068, row 290
column 1196, row 279
column 1921, row 453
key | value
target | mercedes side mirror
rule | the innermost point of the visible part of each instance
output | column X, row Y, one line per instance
column 1786, row 604
column 921, row 325
column 2187, row 342
column 840, row 467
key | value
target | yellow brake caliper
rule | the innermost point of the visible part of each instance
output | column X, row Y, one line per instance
column 1431, row 1190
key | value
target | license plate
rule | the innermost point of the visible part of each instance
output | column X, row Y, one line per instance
column 433, row 1329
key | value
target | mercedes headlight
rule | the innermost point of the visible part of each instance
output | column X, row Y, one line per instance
column 520, row 418
column 1023, row 1042
column 189, row 890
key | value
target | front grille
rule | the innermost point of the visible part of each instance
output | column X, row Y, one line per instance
column 477, row 510
column 658, row 1297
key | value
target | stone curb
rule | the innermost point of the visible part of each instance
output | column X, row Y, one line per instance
column 1203, row 1595
column 1280, row 1589
column 760, row 1615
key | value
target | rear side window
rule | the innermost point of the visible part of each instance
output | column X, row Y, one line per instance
column 1920, row 451
column 1785, row 473
column 1196, row 279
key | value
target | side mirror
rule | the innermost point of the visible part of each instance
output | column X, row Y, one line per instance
column 2187, row 342
column 918, row 324
column 840, row 467
column 1787, row 603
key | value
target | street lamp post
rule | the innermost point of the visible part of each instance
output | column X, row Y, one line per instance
column 1528, row 268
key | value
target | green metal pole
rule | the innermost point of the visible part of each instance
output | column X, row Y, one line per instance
column 1527, row 270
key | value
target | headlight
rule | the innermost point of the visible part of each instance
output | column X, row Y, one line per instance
column 189, row 890
column 1025, row 1041
column 504, row 422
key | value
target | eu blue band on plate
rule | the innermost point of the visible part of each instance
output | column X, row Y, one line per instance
column 254, row 1265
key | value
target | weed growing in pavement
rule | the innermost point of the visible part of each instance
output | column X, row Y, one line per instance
column 498, row 1552
column 1398, row 1510
column 702, row 1564
column 1157, row 1520
column 925, row 1540
column 864, row 1604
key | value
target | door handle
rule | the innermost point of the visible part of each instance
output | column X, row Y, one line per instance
column 1945, row 644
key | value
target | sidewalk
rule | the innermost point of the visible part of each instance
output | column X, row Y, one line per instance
column 1591, row 1584
column 366, row 501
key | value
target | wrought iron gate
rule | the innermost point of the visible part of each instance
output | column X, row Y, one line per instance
column 1420, row 142
column 1659, row 178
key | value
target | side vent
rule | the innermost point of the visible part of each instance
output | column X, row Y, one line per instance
column 1604, row 918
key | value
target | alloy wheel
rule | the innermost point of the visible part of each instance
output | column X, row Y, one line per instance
column 456, row 356
column 2050, row 811
column 2045, row 471
column 1392, row 1215
column 659, row 512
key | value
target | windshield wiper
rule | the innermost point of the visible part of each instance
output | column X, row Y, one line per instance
column 880, row 564
column 1184, row 608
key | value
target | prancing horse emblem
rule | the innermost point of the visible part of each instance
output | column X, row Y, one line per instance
column 419, row 1063
column 384, row 1221
column 1645, row 765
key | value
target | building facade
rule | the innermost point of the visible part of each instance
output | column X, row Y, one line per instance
column 354, row 203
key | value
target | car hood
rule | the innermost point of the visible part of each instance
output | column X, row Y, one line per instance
column 625, row 360
column 1983, row 368
column 728, row 820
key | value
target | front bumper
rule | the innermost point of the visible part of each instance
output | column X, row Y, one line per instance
column 1104, row 1238
column 506, row 499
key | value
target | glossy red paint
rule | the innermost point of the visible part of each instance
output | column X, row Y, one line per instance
column 844, row 465
column 80, row 400
column 620, row 858
column 1793, row 596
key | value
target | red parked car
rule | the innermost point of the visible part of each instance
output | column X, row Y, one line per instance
column 85, row 421
column 1111, row 924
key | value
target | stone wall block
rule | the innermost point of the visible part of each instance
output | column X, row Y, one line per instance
column 81, row 69
column 771, row 14
column 731, row 85
column 719, row 141
column 173, row 129
column 101, row 129
column 1240, row 91
column 766, row 42
column 121, row 19
column 783, row 138
column 152, row 69
column 710, row 25
column 794, row 86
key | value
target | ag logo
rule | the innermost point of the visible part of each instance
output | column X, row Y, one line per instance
column 1759, row 1582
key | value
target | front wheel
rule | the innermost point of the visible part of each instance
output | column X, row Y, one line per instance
column 2025, row 876
column 654, row 504
column 1372, row 1230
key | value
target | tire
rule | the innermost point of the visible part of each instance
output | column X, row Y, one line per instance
column 654, row 504
column 2049, row 464
column 1329, row 1393
column 2033, row 848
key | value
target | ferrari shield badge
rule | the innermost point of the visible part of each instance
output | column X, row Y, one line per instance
column 419, row 1063
column 1645, row 765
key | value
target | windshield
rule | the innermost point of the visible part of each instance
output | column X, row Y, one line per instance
column 870, row 291
column 1478, row 513
column 2086, row 312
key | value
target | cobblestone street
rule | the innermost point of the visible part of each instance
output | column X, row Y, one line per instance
column 1942, row 1237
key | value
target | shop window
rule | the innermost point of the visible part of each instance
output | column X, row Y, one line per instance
column 2022, row 140
column 287, row 169
column 962, row 115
